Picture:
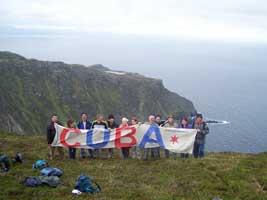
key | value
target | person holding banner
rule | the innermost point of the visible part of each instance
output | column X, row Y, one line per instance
column 125, row 151
column 72, row 151
column 185, row 124
column 99, row 123
column 111, row 125
column 155, row 152
column 158, row 120
column 202, row 131
column 135, row 150
column 85, row 124
column 51, row 132
column 170, row 123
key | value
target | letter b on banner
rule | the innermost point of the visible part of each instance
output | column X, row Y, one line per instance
column 130, row 135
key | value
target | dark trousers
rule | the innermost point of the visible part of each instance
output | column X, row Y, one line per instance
column 184, row 155
column 90, row 151
column 52, row 152
column 155, row 152
column 72, row 153
column 168, row 154
column 125, row 152
column 198, row 150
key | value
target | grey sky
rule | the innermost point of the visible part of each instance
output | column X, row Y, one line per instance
column 224, row 20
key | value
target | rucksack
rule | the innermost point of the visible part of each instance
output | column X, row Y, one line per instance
column 87, row 184
column 4, row 159
column 51, row 171
column 32, row 181
column 40, row 164
column 52, row 181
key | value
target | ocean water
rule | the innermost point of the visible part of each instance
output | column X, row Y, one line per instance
column 225, row 81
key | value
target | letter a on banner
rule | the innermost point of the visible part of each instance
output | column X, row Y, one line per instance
column 147, row 137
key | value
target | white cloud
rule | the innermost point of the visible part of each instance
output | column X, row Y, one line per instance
column 241, row 20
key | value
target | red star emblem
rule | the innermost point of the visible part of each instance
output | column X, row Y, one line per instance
column 174, row 139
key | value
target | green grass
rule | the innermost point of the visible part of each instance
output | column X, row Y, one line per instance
column 224, row 175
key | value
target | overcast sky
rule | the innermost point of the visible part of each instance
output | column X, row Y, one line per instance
column 220, row 20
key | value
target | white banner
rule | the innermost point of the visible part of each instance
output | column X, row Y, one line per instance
column 145, row 136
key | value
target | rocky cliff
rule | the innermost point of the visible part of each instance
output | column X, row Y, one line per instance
column 31, row 90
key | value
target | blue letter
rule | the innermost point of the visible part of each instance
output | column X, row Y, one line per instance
column 89, row 139
column 146, row 138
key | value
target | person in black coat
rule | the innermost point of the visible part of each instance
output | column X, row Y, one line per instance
column 51, row 132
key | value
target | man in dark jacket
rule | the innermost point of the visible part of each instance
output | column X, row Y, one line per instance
column 202, row 131
column 51, row 132
column 85, row 124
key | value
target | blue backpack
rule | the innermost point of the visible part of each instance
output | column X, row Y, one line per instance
column 51, row 171
column 32, row 181
column 4, row 159
column 39, row 164
column 87, row 184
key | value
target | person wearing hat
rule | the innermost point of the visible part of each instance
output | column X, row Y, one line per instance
column 125, row 151
column 111, row 125
column 202, row 131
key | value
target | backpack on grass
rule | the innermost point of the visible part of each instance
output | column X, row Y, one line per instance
column 87, row 184
column 40, row 164
column 34, row 181
column 4, row 159
column 51, row 171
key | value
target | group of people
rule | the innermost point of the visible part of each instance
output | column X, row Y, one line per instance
column 197, row 122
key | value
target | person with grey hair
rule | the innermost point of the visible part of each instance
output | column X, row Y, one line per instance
column 155, row 152
column 125, row 151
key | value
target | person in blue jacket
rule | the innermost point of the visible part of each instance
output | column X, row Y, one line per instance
column 85, row 124
column 184, row 124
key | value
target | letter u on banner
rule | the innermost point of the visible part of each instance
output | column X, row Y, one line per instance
column 89, row 139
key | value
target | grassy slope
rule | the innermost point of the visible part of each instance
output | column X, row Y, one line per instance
column 228, row 176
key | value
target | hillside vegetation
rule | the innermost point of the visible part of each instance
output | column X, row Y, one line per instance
column 31, row 90
column 224, row 175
